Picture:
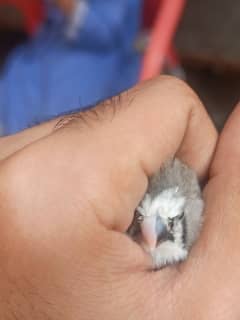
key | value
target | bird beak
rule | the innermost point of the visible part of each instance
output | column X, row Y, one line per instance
column 153, row 229
column 149, row 231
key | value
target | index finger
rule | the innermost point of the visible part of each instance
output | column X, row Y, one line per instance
column 113, row 148
column 227, row 156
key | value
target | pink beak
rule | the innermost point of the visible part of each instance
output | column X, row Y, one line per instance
column 149, row 231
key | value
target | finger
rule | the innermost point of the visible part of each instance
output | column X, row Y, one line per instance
column 211, row 274
column 227, row 156
column 112, row 149
column 13, row 143
column 214, row 261
column 157, row 125
column 107, row 153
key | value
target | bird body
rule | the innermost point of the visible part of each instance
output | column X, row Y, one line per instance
column 170, row 214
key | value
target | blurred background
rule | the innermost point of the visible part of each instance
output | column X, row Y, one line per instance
column 61, row 55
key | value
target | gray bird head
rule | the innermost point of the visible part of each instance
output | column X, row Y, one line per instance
column 170, row 215
column 162, row 217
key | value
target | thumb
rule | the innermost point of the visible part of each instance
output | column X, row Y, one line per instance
column 107, row 153
column 130, row 136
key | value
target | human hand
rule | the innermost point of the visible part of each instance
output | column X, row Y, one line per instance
column 68, row 195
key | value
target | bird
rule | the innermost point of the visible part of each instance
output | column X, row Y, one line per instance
column 169, row 217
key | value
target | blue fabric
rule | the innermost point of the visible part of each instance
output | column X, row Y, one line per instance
column 53, row 73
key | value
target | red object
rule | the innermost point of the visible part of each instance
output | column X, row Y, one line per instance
column 166, row 15
column 150, row 9
column 32, row 11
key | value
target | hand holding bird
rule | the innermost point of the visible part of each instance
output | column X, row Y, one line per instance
column 68, row 196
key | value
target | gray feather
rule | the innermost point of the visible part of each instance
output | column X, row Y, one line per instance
column 176, row 174
column 173, row 174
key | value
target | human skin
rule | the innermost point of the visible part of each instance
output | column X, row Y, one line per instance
column 68, row 191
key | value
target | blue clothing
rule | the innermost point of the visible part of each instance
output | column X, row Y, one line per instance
column 71, row 63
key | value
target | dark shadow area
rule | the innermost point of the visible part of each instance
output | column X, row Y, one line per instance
column 219, row 92
column 9, row 40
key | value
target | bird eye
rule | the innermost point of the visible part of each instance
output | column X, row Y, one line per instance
column 180, row 217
